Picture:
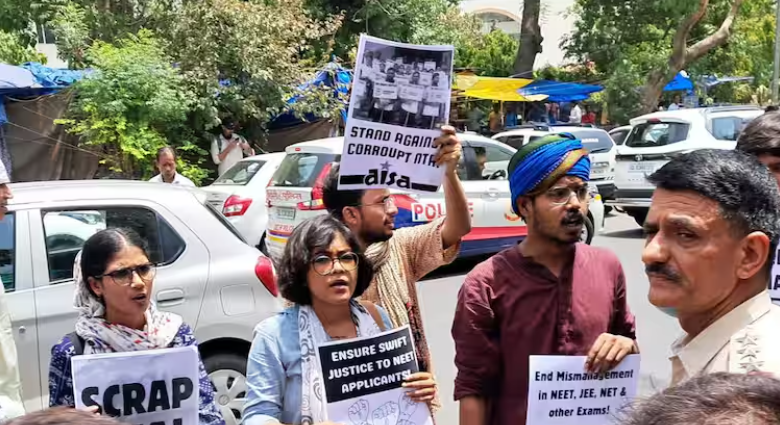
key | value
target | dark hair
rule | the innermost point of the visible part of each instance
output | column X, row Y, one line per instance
column 761, row 136
column 336, row 200
column 713, row 399
column 772, row 108
column 101, row 248
column 164, row 149
column 308, row 237
column 63, row 416
column 744, row 189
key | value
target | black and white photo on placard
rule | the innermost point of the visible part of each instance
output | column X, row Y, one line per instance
column 402, row 85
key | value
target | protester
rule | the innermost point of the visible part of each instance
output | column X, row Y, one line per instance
column 63, row 416
column 228, row 148
column 166, row 164
column 676, row 103
column 494, row 119
column 550, row 295
column 715, row 399
column 402, row 257
column 712, row 224
column 114, row 279
column 322, row 272
column 761, row 138
column 11, row 404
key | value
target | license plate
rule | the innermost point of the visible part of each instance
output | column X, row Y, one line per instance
column 285, row 213
column 638, row 167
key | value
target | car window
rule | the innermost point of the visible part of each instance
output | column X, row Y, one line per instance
column 652, row 134
column 513, row 141
column 301, row 169
column 727, row 128
column 492, row 162
column 619, row 136
column 66, row 233
column 241, row 173
column 7, row 252
column 534, row 138
column 594, row 140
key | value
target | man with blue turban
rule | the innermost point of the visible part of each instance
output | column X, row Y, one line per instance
column 549, row 295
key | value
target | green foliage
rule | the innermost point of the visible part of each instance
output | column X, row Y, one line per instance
column 494, row 54
column 71, row 31
column 130, row 103
column 13, row 50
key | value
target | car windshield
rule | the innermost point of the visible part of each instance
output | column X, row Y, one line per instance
column 240, row 174
column 301, row 169
column 651, row 134
column 594, row 140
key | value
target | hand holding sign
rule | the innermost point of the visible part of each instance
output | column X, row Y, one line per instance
column 449, row 149
column 608, row 351
column 422, row 387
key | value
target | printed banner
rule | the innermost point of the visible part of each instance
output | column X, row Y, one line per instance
column 125, row 386
column 561, row 393
column 390, row 144
column 363, row 378
column 437, row 95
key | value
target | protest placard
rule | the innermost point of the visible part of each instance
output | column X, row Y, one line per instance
column 561, row 393
column 363, row 378
column 437, row 95
column 392, row 146
column 152, row 387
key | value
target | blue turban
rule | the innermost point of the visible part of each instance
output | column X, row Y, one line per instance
column 544, row 161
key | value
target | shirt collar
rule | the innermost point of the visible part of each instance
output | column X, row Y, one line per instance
column 697, row 353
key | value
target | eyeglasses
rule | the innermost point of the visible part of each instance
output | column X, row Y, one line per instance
column 562, row 195
column 388, row 203
column 324, row 265
column 124, row 277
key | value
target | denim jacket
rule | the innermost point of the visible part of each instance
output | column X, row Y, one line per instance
column 273, row 370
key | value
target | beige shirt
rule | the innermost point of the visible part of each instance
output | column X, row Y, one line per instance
column 744, row 340
column 10, row 385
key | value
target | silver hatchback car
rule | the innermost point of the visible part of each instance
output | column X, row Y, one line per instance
column 207, row 273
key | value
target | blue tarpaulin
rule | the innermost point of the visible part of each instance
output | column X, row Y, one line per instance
column 32, row 79
column 560, row 92
column 332, row 76
column 680, row 82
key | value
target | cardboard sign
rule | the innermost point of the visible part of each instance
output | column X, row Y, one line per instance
column 386, row 91
column 437, row 95
column 431, row 110
column 363, row 378
column 126, row 385
column 426, row 78
column 561, row 393
column 414, row 93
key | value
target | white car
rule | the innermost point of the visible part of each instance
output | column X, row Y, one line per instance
column 239, row 194
column 655, row 138
column 206, row 273
column 295, row 194
column 599, row 144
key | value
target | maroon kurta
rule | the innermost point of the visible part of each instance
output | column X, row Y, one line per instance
column 511, row 307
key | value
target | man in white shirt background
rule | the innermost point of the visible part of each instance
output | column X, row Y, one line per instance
column 229, row 147
column 166, row 165
column 575, row 116
column 10, row 385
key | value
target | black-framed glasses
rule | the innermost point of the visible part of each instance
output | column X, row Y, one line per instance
column 124, row 277
column 388, row 203
column 323, row 265
column 562, row 195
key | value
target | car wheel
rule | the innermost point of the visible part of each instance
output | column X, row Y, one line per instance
column 587, row 230
column 228, row 377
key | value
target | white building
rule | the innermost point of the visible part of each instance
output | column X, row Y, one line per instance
column 505, row 15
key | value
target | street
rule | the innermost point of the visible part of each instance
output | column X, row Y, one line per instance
column 656, row 331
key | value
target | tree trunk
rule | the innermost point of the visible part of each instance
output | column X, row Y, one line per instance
column 683, row 55
column 530, row 39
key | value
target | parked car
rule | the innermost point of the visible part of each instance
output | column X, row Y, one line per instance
column 239, row 194
column 294, row 196
column 619, row 134
column 597, row 141
column 655, row 138
column 207, row 273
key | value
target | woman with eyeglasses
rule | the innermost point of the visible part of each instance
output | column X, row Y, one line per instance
column 114, row 279
column 322, row 272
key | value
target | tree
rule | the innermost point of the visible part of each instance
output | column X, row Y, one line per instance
column 131, row 105
column 14, row 51
column 655, row 37
column 530, row 38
